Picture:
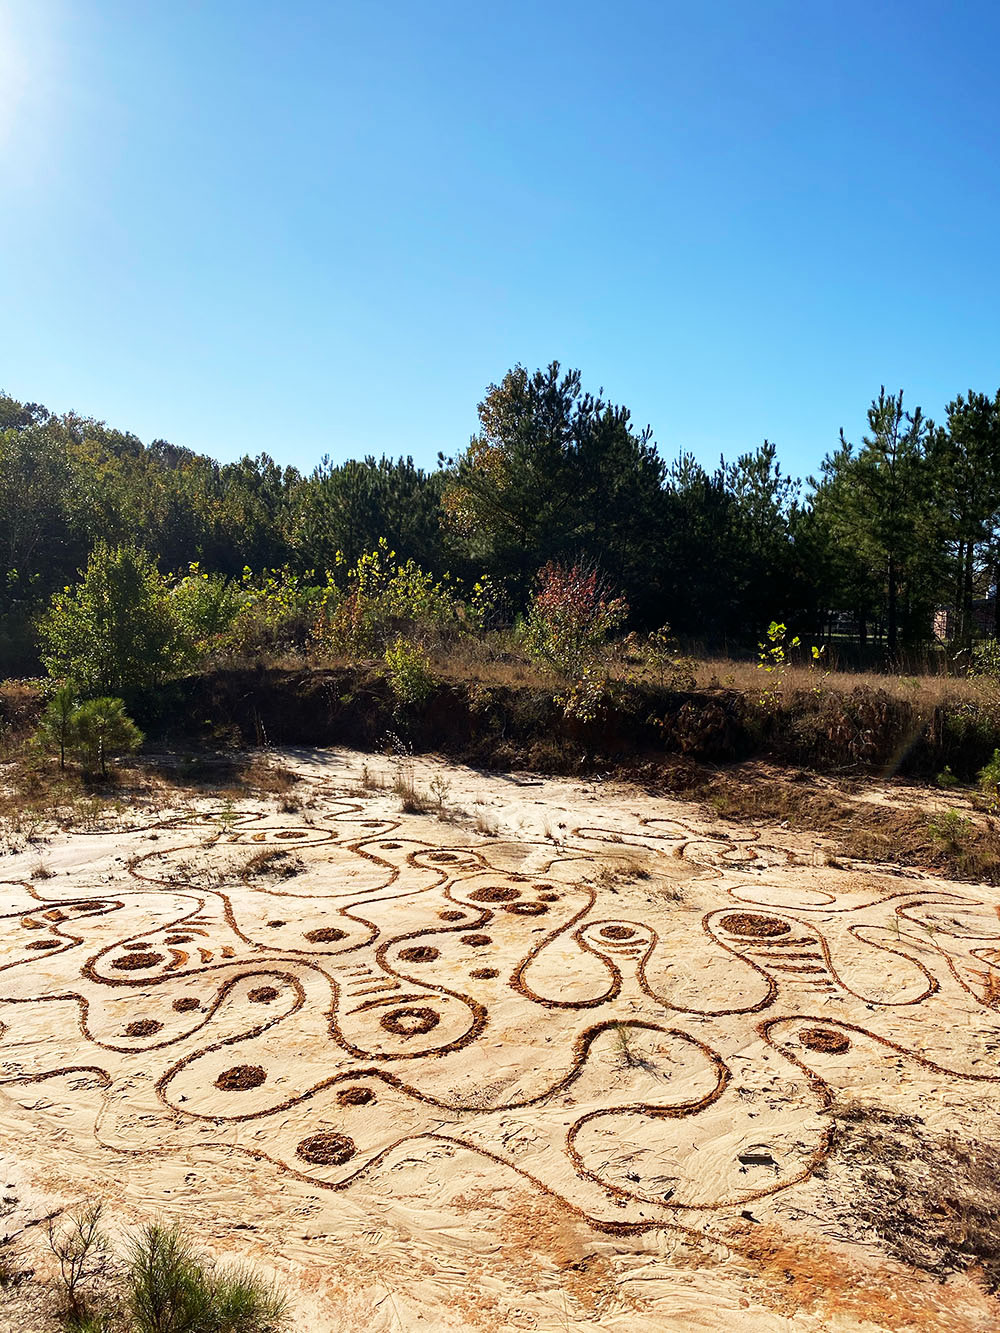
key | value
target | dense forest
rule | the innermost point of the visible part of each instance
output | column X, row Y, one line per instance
column 904, row 520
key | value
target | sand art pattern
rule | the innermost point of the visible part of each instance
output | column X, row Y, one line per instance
column 321, row 995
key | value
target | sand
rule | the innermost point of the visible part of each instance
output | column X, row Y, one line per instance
column 573, row 1058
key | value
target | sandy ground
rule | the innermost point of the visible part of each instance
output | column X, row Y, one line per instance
column 570, row 1059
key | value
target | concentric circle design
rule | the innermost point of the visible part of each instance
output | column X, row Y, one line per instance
column 410, row 1021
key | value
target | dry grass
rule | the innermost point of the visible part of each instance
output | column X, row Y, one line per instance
column 959, row 845
column 272, row 863
column 498, row 660
column 932, row 691
column 932, row 1200
column 625, row 869
column 412, row 800
column 486, row 824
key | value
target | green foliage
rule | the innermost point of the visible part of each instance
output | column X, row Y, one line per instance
column 245, row 1302
column 409, row 673
column 113, row 630
column 276, row 612
column 950, row 831
column 985, row 659
column 775, row 653
column 946, row 778
column 904, row 522
column 56, row 728
column 553, row 470
column 204, row 606
column 100, row 730
column 989, row 781
column 587, row 695
column 341, row 509
column 167, row 1292
column 673, row 670
column 882, row 506
column 371, row 602
column 170, row 1290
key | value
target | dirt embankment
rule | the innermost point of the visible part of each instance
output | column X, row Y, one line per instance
column 862, row 730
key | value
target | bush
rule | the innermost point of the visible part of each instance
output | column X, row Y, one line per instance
column 571, row 616
column 989, row 781
column 166, row 1288
column 409, row 672
column 100, row 730
column 204, row 607
column 660, row 654
column 276, row 613
column 375, row 600
column 950, row 831
column 171, row 1291
column 986, row 659
column 80, row 1248
column 114, row 630
column 56, row 729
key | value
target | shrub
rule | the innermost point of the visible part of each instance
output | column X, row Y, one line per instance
column 81, row 1250
column 56, row 730
column 409, row 672
column 375, row 600
column 989, row 781
column 986, row 659
column 949, row 831
column 571, row 616
column 114, row 630
column 244, row 1302
column 102, row 729
column 660, row 653
column 204, row 607
column 170, row 1290
column 166, row 1288
column 586, row 695
column 276, row 612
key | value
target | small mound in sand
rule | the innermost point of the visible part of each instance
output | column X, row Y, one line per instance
column 420, row 953
column 328, row 1149
column 143, row 1027
column 137, row 962
column 241, row 1078
column 355, row 1096
column 825, row 1039
column 495, row 895
column 749, row 925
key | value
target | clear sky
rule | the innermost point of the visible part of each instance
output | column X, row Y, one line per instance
column 315, row 227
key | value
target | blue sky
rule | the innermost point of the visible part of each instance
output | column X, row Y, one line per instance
column 314, row 228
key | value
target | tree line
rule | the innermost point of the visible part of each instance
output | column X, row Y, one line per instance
column 905, row 520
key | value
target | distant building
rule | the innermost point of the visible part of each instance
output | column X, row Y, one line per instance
column 984, row 619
